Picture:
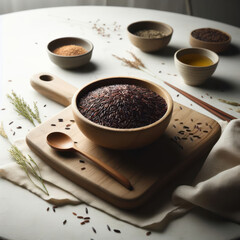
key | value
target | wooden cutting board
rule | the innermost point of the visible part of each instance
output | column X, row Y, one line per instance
column 189, row 136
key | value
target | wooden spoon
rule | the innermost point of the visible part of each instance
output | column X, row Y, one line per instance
column 62, row 142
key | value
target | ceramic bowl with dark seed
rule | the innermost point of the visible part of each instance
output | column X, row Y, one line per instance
column 149, row 36
column 209, row 38
column 121, row 138
column 67, row 61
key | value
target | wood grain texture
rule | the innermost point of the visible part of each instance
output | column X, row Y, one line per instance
column 189, row 136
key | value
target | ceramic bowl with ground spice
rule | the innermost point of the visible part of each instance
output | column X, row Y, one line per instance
column 210, row 38
column 70, row 52
column 122, row 112
column 149, row 36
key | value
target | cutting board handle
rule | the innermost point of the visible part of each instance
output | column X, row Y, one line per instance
column 53, row 88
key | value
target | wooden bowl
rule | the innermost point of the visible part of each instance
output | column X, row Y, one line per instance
column 214, row 46
column 116, row 138
column 193, row 75
column 70, row 62
column 149, row 44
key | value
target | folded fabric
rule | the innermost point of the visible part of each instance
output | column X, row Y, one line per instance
column 62, row 191
column 217, row 179
column 217, row 186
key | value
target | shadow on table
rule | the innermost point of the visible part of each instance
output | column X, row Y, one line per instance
column 168, row 51
column 163, row 197
column 231, row 51
column 90, row 67
column 217, row 84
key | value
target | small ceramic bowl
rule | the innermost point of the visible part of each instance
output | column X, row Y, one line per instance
column 70, row 62
column 147, row 44
column 116, row 138
column 195, row 75
column 196, row 40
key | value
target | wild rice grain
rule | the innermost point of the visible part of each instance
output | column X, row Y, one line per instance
column 64, row 222
column 116, row 231
column 109, row 229
column 122, row 106
column 148, row 233
column 94, row 230
column 196, row 136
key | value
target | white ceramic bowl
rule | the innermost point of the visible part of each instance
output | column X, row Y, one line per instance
column 194, row 75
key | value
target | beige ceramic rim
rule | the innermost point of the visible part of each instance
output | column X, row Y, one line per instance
column 212, row 43
column 78, row 39
column 168, row 100
column 196, row 49
column 155, row 22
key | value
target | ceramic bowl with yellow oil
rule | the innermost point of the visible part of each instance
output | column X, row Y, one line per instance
column 195, row 65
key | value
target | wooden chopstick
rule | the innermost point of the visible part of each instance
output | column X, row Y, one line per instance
column 217, row 112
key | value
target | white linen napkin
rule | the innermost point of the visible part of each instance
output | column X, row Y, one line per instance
column 218, row 178
column 217, row 186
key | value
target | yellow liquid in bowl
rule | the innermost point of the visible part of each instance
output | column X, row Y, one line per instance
column 196, row 60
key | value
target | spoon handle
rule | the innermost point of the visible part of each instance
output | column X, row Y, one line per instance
column 112, row 172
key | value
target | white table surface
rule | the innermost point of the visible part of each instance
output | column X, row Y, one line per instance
column 23, row 40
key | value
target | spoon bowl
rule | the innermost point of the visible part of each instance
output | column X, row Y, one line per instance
column 60, row 141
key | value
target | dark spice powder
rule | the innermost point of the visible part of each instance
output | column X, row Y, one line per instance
column 122, row 106
column 210, row 35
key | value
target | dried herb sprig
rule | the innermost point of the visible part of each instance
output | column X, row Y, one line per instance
column 2, row 131
column 29, row 166
column 236, row 104
column 136, row 63
column 24, row 109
